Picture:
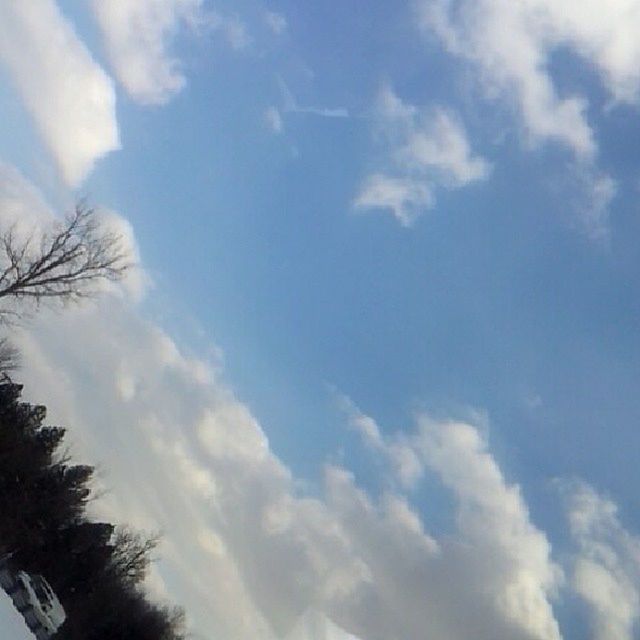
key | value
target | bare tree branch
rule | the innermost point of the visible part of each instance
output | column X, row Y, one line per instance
column 68, row 264
column 132, row 554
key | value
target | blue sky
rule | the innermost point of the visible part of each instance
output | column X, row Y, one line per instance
column 375, row 240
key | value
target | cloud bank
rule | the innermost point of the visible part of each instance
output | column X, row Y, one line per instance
column 247, row 551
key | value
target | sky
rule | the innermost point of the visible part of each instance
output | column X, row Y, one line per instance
column 375, row 376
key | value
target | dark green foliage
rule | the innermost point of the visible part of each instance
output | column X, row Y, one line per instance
column 96, row 569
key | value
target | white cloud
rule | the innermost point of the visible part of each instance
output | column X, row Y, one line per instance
column 136, row 280
column 400, row 452
column 231, row 27
column 290, row 105
column 273, row 119
column 492, row 514
column 406, row 198
column 21, row 203
column 68, row 95
column 427, row 149
column 512, row 43
column 598, row 191
column 276, row 22
column 511, row 559
column 138, row 35
column 607, row 566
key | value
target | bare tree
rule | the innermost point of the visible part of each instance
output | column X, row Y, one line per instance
column 132, row 554
column 66, row 263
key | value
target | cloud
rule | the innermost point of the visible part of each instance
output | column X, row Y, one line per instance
column 598, row 191
column 426, row 149
column 493, row 516
column 512, row 43
column 136, row 280
column 406, row 198
column 273, row 119
column 406, row 464
column 232, row 28
column 68, row 95
column 232, row 514
column 138, row 36
column 510, row 46
column 246, row 550
column 290, row 105
column 21, row 203
column 493, row 520
column 276, row 22
column 316, row 626
column 607, row 565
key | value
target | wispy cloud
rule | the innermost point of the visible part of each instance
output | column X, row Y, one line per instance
column 276, row 22
column 273, row 119
column 596, row 191
column 512, row 44
column 406, row 198
column 138, row 35
column 423, row 149
column 290, row 105
column 69, row 96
